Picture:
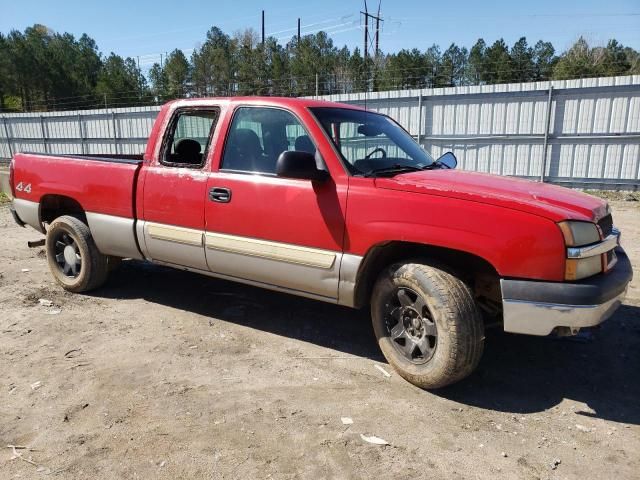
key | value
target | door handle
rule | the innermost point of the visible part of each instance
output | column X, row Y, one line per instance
column 220, row 195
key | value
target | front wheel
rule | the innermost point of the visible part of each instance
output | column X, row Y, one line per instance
column 427, row 324
column 74, row 260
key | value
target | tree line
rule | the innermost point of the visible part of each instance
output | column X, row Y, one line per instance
column 44, row 70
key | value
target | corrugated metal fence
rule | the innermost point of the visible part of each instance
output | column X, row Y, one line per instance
column 583, row 133
column 82, row 132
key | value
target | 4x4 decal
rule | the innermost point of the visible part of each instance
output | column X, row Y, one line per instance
column 21, row 187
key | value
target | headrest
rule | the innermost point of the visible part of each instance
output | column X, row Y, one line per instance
column 304, row 144
column 246, row 141
column 188, row 147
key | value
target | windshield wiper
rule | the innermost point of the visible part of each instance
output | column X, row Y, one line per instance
column 392, row 170
column 434, row 165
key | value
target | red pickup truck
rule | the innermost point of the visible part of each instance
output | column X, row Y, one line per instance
column 339, row 204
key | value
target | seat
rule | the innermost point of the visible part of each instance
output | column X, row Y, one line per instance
column 275, row 142
column 188, row 151
column 244, row 151
column 304, row 144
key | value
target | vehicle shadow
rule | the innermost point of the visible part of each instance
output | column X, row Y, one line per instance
column 518, row 373
column 339, row 328
column 525, row 374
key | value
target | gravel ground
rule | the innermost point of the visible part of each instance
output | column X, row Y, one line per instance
column 166, row 374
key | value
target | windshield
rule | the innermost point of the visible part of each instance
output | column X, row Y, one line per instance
column 371, row 142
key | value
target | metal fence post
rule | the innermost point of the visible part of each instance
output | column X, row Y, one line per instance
column 83, row 147
column 8, row 137
column 547, row 122
column 419, row 117
column 44, row 135
column 115, row 133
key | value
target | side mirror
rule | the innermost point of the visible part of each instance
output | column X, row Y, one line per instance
column 301, row 165
column 449, row 160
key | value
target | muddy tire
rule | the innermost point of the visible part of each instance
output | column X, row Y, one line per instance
column 427, row 323
column 74, row 259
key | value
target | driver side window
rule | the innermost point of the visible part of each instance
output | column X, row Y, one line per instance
column 257, row 137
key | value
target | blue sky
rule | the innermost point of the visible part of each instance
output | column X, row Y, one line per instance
column 146, row 28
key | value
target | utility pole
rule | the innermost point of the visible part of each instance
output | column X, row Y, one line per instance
column 263, row 28
column 139, row 76
column 298, row 31
column 378, row 30
column 367, row 38
column 366, row 30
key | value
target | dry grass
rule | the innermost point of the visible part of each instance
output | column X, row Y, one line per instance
column 612, row 195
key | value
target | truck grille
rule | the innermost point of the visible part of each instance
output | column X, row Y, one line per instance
column 606, row 225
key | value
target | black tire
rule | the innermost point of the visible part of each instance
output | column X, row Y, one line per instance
column 443, row 334
column 65, row 235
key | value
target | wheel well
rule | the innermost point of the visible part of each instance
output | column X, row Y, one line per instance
column 475, row 271
column 54, row 206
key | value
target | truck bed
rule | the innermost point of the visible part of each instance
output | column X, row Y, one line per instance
column 99, row 183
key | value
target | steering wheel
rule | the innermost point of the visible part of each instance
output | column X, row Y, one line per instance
column 376, row 150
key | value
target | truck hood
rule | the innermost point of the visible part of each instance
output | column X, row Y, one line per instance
column 555, row 203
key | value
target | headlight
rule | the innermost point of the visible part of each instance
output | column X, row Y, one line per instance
column 578, row 234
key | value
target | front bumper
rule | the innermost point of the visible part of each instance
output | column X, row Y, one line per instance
column 537, row 308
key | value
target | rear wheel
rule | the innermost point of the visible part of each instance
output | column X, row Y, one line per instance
column 72, row 255
column 427, row 324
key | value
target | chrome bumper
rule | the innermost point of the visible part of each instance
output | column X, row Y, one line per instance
column 537, row 308
column 533, row 318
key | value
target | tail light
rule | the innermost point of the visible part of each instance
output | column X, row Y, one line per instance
column 11, row 182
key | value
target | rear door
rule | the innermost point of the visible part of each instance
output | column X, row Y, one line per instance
column 175, row 190
column 269, row 230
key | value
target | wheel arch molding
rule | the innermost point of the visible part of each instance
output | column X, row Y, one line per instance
column 468, row 266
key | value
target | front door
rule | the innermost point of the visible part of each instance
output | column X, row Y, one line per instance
column 175, row 191
column 269, row 230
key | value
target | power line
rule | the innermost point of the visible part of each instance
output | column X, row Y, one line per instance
column 331, row 82
column 315, row 24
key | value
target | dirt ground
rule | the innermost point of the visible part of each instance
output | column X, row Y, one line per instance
column 166, row 374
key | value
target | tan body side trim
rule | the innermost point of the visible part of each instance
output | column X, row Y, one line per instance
column 185, row 236
column 29, row 213
column 113, row 235
column 255, row 283
column 281, row 252
column 173, row 244
column 281, row 266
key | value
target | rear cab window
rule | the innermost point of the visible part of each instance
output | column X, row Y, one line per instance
column 188, row 137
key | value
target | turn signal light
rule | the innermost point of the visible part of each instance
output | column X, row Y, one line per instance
column 579, row 268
